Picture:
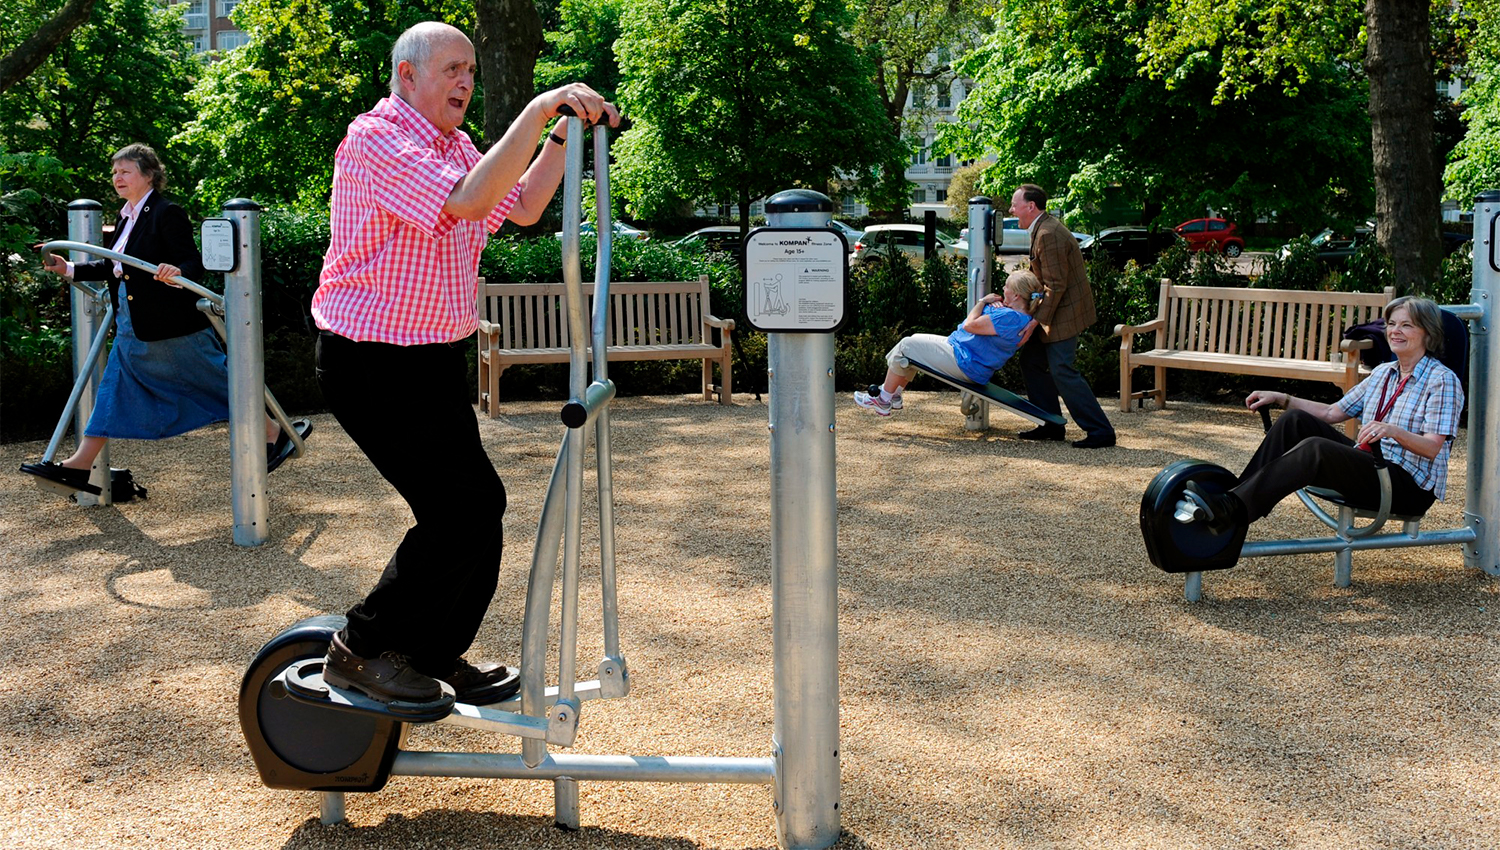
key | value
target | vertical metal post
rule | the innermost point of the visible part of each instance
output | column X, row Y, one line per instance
column 247, row 376
column 804, row 566
column 981, row 268
column 1482, row 501
column 330, row 807
column 85, row 224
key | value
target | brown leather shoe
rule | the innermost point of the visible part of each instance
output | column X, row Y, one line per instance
column 482, row 685
column 387, row 678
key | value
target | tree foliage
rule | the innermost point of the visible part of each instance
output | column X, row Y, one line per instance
column 582, row 47
column 21, row 59
column 912, row 44
column 121, row 78
column 1475, row 163
column 271, row 113
column 732, row 101
column 1066, row 96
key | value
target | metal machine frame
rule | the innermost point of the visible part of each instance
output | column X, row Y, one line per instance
column 803, row 764
column 1480, row 536
column 93, row 315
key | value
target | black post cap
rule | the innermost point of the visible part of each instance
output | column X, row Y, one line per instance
column 799, row 200
column 1487, row 196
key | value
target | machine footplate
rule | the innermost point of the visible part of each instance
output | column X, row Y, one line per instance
column 303, row 682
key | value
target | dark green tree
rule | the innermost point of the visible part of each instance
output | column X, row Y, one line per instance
column 1475, row 163
column 1281, row 43
column 732, row 101
column 582, row 47
column 120, row 78
column 271, row 114
column 1064, row 98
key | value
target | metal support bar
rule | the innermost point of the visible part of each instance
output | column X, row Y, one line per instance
column 331, row 807
column 804, row 568
column 85, row 383
column 1312, row 545
column 981, row 272
column 90, row 321
column 587, row 768
column 1482, row 499
column 244, row 339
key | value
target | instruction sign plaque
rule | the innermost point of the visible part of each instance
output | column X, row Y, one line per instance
column 796, row 279
column 219, row 254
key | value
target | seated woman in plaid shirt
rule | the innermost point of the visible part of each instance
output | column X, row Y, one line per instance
column 1408, row 411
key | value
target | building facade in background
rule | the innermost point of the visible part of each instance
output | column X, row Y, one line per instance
column 208, row 27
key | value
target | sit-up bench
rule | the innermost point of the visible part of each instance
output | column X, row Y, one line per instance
column 1001, row 396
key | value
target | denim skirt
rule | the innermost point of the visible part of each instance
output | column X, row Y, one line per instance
column 152, row 390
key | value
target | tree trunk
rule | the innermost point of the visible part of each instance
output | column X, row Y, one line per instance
column 1398, row 62
column 31, row 53
column 507, row 39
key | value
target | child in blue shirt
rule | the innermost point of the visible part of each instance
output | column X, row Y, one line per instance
column 994, row 330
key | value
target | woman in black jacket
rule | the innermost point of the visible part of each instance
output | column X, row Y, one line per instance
column 167, row 373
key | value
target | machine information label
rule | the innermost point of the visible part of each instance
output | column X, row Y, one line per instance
column 219, row 253
column 796, row 279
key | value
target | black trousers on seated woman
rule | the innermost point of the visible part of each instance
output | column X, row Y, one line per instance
column 1302, row 450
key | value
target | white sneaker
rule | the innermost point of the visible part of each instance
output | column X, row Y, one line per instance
column 872, row 402
column 874, row 392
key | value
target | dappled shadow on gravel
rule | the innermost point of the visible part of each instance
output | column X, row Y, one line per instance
column 1014, row 673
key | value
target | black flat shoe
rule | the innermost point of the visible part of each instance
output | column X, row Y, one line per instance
column 1044, row 432
column 1095, row 441
column 279, row 451
column 78, row 479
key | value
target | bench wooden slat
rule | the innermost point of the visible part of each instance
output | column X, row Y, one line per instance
column 1267, row 332
column 649, row 320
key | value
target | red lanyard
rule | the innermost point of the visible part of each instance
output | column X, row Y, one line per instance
column 1383, row 409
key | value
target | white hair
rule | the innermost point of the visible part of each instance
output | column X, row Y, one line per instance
column 415, row 47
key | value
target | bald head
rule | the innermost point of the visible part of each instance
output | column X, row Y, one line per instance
column 416, row 45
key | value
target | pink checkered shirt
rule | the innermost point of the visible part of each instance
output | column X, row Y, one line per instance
column 398, row 268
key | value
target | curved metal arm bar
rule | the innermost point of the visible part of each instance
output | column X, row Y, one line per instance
column 1376, row 522
column 65, row 245
column 1381, row 515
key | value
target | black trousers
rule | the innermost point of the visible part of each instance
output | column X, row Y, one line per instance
column 408, row 409
column 1302, row 450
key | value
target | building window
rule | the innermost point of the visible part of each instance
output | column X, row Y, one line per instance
column 945, row 161
column 942, row 196
column 230, row 39
column 226, row 7
column 919, row 195
column 921, row 157
column 918, row 96
column 944, row 98
column 851, row 206
column 200, row 42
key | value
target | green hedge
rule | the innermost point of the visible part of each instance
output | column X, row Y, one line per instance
column 886, row 301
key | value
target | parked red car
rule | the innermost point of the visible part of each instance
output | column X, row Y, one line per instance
column 1211, row 234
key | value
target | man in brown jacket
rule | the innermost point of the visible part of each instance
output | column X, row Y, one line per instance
column 1047, row 362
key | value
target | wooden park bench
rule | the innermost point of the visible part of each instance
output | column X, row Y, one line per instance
column 528, row 323
column 1280, row 333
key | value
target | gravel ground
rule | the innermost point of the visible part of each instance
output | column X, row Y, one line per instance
column 1014, row 672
